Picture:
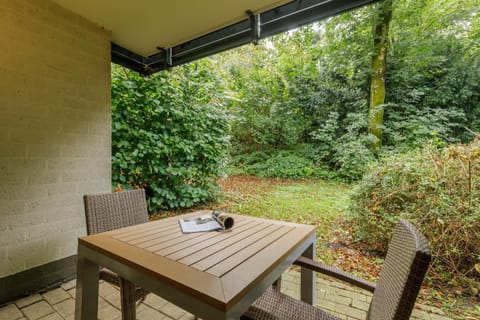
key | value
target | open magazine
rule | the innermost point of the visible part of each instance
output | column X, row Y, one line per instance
column 213, row 222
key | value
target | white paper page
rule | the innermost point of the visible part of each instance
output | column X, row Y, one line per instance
column 199, row 225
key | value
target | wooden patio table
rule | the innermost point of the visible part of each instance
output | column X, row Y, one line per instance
column 213, row 275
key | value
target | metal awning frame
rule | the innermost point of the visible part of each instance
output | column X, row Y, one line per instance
column 250, row 30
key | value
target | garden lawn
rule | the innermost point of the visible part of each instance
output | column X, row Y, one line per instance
column 311, row 202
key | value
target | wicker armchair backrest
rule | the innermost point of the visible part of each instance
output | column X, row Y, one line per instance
column 405, row 265
column 109, row 211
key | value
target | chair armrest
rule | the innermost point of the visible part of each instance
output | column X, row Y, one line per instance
column 335, row 273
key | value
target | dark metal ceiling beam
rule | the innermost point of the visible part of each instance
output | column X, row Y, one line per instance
column 127, row 58
column 291, row 15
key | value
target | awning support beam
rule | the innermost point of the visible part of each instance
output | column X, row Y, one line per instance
column 255, row 27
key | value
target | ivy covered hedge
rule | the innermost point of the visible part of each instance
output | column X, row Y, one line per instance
column 169, row 135
column 438, row 190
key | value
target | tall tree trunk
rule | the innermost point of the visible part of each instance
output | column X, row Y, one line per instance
column 379, row 68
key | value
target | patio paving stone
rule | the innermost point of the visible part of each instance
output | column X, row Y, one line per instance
column 155, row 302
column 37, row 310
column 10, row 312
column 360, row 305
column 71, row 292
column 352, row 295
column 148, row 313
column 326, row 305
column 21, row 303
column 106, row 311
column 69, row 285
column 106, row 289
column 172, row 311
column 53, row 316
column 350, row 312
column 338, row 299
column 113, row 299
column 56, row 295
column 348, row 303
column 65, row 308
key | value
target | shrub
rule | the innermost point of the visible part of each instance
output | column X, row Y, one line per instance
column 352, row 158
column 345, row 155
column 251, row 158
column 436, row 189
column 277, row 164
column 408, row 126
column 169, row 135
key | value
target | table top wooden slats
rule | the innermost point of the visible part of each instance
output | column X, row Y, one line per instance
column 219, row 267
column 255, row 242
column 200, row 251
column 195, row 238
column 228, row 263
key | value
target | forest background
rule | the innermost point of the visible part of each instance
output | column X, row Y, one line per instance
column 386, row 97
column 299, row 104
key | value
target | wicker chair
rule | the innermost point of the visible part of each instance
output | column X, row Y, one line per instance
column 394, row 295
column 109, row 211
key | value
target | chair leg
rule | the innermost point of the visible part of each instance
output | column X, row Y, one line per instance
column 127, row 297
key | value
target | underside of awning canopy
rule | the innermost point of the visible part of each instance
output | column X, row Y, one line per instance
column 151, row 35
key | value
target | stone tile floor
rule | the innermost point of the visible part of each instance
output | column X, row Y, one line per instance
column 347, row 302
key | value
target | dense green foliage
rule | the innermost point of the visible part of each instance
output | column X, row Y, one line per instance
column 303, row 96
column 438, row 189
column 281, row 164
column 169, row 134
column 311, row 86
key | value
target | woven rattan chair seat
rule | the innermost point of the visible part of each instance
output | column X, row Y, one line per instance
column 273, row 305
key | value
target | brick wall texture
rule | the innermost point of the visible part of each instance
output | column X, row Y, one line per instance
column 55, row 129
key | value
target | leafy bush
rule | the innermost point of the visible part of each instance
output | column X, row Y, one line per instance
column 251, row 158
column 344, row 152
column 408, row 126
column 436, row 189
column 169, row 135
column 277, row 164
column 274, row 131
column 352, row 158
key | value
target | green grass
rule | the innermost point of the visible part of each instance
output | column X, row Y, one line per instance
column 317, row 203
column 303, row 202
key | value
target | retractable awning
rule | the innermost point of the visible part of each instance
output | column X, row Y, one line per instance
column 153, row 35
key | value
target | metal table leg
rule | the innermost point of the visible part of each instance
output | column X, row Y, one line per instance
column 307, row 277
column 86, row 304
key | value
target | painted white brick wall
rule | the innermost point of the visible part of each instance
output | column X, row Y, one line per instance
column 55, row 129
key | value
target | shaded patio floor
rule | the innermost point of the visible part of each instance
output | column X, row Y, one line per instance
column 347, row 302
